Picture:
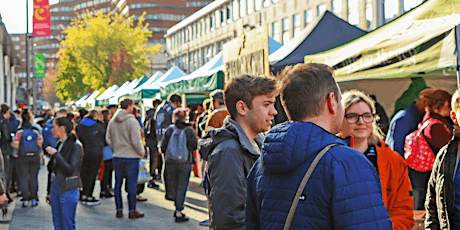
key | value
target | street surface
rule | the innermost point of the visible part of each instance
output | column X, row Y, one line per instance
column 158, row 211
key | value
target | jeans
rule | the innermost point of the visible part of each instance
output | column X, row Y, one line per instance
column 419, row 181
column 126, row 168
column 179, row 177
column 89, row 168
column 63, row 207
column 28, row 167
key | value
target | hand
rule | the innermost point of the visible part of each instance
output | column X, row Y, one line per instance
column 50, row 150
column 3, row 198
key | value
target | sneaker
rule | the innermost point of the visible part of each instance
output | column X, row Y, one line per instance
column 93, row 202
column 183, row 218
column 204, row 223
column 25, row 204
column 119, row 214
column 34, row 203
column 153, row 185
column 135, row 214
column 84, row 201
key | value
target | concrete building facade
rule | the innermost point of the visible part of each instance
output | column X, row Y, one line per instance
column 198, row 38
column 8, row 63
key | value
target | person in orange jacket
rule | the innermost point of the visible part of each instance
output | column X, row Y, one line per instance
column 360, row 123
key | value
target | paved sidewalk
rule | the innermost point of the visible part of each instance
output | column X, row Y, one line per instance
column 158, row 211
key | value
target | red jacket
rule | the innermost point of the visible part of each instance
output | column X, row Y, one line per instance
column 396, row 187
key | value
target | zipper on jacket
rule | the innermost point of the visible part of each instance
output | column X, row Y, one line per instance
column 72, row 177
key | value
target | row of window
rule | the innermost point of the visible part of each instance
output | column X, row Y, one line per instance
column 82, row 5
column 47, row 46
column 158, row 29
column 61, row 36
column 197, row 3
column 165, row 17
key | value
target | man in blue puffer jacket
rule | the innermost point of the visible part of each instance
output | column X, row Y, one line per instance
column 343, row 191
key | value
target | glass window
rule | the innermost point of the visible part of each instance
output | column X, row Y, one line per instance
column 242, row 8
column 217, row 18
column 250, row 5
column 257, row 4
column 275, row 1
column 286, row 36
column 353, row 12
column 275, row 31
column 228, row 13
column 320, row 9
column 266, row 3
column 235, row 10
column 336, row 6
column 211, row 22
column 308, row 16
column 369, row 14
column 296, row 25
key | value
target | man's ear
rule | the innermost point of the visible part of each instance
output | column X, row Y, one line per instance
column 331, row 103
column 241, row 108
column 453, row 116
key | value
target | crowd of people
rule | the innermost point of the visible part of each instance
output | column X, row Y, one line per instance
column 338, row 163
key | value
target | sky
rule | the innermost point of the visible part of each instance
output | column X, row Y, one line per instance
column 13, row 14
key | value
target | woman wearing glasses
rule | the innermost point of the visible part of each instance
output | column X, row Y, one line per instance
column 360, row 123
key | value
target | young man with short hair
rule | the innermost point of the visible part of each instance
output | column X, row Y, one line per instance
column 232, row 150
column 442, row 203
column 219, row 113
column 344, row 189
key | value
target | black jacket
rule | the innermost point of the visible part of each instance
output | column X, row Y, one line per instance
column 191, row 139
column 5, row 138
column 91, row 133
column 440, row 201
column 163, row 119
column 66, row 164
column 230, row 155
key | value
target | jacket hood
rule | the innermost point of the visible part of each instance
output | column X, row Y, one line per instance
column 122, row 115
column 230, row 130
column 290, row 144
column 182, row 125
column 88, row 122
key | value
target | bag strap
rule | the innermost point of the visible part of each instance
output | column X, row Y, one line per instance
column 305, row 179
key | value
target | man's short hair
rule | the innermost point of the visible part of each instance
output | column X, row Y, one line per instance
column 112, row 106
column 218, row 95
column 305, row 88
column 125, row 103
column 245, row 88
column 156, row 102
column 4, row 108
column 174, row 98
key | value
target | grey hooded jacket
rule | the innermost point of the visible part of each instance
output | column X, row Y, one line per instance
column 230, row 155
column 124, row 135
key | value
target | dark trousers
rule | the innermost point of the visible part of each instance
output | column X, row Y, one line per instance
column 28, row 167
column 8, row 164
column 178, row 179
column 89, row 168
column 419, row 181
column 153, row 156
column 106, row 182
column 126, row 168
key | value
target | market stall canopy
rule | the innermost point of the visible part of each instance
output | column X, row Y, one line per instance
column 80, row 101
column 106, row 94
column 151, row 90
column 105, row 101
column 121, row 92
column 324, row 33
column 142, row 91
column 419, row 43
column 207, row 78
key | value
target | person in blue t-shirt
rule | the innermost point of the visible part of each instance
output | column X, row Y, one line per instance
column 442, row 203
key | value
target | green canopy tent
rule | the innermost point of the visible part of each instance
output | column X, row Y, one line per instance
column 142, row 91
column 420, row 43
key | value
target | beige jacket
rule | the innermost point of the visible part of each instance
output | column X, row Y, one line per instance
column 124, row 136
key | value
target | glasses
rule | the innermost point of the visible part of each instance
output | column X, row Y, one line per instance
column 353, row 117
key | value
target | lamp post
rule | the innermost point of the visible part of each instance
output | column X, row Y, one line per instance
column 27, row 55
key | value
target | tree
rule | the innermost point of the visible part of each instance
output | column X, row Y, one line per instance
column 49, row 87
column 104, row 49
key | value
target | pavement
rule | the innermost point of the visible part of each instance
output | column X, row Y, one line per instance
column 158, row 211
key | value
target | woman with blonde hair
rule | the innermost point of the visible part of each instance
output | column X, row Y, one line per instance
column 360, row 124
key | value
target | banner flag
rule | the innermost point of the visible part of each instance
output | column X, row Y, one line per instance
column 42, row 18
column 39, row 65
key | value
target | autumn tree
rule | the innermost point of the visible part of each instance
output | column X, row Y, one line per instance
column 104, row 49
column 49, row 87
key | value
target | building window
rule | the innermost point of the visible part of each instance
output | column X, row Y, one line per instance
column 222, row 17
column 320, row 9
column 257, row 4
column 308, row 17
column 336, row 6
column 211, row 19
column 285, row 24
column 228, row 14
column 353, row 13
column 296, row 25
column 275, row 31
column 275, row 1
column 217, row 18
column 242, row 8
column 250, row 5
column 235, row 10
column 266, row 3
column 369, row 14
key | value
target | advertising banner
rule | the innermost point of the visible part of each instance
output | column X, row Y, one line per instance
column 42, row 18
column 39, row 65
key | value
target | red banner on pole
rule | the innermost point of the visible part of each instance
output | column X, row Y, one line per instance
column 42, row 18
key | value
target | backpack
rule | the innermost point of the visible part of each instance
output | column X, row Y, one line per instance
column 417, row 152
column 177, row 151
column 149, row 129
column 28, row 143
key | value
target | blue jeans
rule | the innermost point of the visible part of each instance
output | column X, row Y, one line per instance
column 63, row 207
column 126, row 168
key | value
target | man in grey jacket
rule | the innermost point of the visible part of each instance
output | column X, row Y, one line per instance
column 124, row 137
column 232, row 150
